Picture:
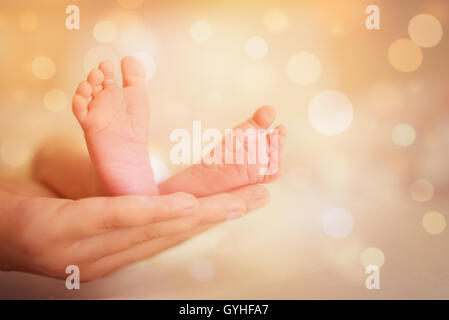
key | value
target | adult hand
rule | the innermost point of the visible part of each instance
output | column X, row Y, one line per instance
column 44, row 235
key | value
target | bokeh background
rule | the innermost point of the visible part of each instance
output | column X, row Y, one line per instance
column 365, row 178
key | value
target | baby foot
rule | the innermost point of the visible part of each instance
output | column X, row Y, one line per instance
column 115, row 121
column 211, row 178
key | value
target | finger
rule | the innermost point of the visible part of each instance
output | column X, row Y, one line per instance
column 109, row 264
column 221, row 207
column 254, row 196
column 232, row 205
column 213, row 209
column 92, row 216
column 106, row 244
column 276, row 154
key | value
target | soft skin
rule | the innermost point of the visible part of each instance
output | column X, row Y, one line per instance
column 43, row 229
column 115, row 120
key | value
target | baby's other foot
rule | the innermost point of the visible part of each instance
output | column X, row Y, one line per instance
column 231, row 172
column 115, row 121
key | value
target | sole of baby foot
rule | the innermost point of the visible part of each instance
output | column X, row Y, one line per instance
column 206, row 179
column 115, row 120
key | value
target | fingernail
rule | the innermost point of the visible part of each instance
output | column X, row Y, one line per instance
column 234, row 215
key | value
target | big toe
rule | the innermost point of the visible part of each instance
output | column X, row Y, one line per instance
column 261, row 119
column 133, row 72
column 264, row 116
column 108, row 71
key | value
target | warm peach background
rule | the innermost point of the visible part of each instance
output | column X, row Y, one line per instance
column 281, row 251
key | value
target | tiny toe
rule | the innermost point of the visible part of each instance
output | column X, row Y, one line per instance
column 261, row 119
column 282, row 130
column 278, row 133
column 79, row 107
column 264, row 116
column 133, row 72
column 95, row 77
column 84, row 89
column 108, row 71
column 276, row 141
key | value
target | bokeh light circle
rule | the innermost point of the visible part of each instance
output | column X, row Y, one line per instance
column 55, row 100
column 330, row 112
column 372, row 257
column 434, row 222
column 105, row 32
column 43, row 68
column 425, row 30
column 275, row 20
column 201, row 31
column 304, row 68
column 148, row 62
column 256, row 47
column 404, row 55
column 337, row 223
column 422, row 190
column 403, row 135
